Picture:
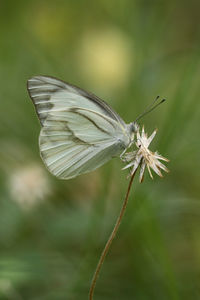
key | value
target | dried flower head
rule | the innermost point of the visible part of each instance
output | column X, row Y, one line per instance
column 143, row 157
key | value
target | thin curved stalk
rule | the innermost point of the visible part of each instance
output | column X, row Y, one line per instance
column 109, row 242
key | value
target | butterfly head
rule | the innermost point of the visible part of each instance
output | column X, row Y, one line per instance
column 134, row 127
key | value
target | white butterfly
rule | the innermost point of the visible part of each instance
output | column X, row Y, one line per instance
column 80, row 132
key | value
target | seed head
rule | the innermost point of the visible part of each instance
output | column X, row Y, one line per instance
column 143, row 157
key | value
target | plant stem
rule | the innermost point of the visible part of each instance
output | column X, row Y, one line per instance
column 109, row 242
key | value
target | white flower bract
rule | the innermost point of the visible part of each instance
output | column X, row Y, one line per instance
column 143, row 157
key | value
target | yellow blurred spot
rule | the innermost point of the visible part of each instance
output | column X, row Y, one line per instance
column 106, row 57
column 50, row 24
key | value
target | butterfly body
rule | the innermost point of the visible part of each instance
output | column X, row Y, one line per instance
column 80, row 132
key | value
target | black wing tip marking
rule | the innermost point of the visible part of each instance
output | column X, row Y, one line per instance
column 29, row 93
column 43, row 79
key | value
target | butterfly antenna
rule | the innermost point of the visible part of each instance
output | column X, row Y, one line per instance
column 150, row 108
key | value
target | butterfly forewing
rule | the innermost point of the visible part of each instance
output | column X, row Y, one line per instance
column 79, row 131
column 49, row 93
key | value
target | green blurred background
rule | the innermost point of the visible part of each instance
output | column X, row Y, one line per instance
column 52, row 231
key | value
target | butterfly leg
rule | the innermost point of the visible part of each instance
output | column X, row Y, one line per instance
column 122, row 154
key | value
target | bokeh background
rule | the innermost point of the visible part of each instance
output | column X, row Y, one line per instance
column 52, row 231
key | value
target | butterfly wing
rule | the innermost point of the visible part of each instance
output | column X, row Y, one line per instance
column 80, row 132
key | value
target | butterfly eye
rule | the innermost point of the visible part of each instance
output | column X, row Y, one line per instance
column 134, row 127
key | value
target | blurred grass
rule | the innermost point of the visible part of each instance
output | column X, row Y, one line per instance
column 51, row 238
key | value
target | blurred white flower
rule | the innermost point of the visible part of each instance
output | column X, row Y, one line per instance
column 5, row 285
column 143, row 157
column 8, row 290
column 29, row 186
column 106, row 56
